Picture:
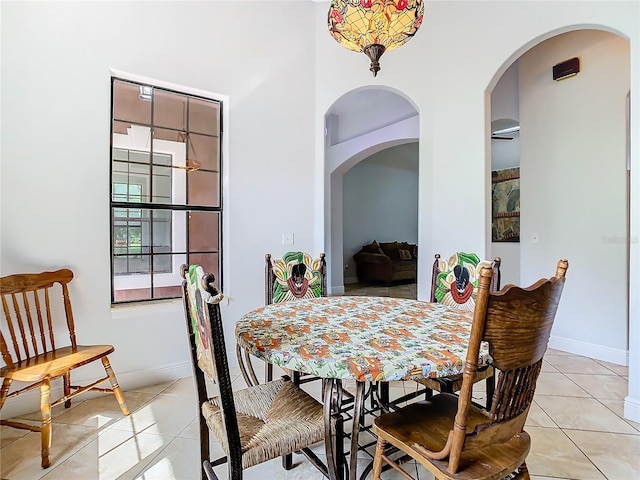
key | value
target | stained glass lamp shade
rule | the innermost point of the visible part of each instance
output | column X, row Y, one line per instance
column 374, row 26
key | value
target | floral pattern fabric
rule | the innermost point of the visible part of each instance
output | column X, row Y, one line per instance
column 200, row 321
column 361, row 338
column 297, row 276
column 457, row 281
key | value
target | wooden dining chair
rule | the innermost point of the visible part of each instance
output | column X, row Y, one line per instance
column 453, row 437
column 454, row 282
column 35, row 351
column 295, row 276
column 255, row 424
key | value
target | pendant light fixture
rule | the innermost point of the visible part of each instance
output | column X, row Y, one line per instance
column 191, row 163
column 374, row 26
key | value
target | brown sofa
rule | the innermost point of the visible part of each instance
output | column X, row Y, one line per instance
column 387, row 262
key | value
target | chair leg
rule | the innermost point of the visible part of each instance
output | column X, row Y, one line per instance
column 207, row 471
column 6, row 383
column 204, row 450
column 67, row 388
column 428, row 394
column 246, row 367
column 114, row 385
column 268, row 372
column 287, row 461
column 523, row 472
column 45, row 428
column 490, row 387
column 377, row 459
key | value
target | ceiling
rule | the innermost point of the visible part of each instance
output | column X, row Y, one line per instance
column 369, row 109
column 393, row 104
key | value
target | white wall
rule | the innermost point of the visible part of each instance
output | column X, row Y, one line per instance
column 504, row 97
column 366, row 110
column 506, row 154
column 448, row 70
column 56, row 62
column 573, row 186
column 380, row 202
column 280, row 83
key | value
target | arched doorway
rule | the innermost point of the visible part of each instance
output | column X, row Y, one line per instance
column 359, row 124
column 574, row 188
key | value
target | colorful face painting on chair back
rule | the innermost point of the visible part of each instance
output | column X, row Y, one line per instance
column 297, row 276
column 198, row 296
column 457, row 281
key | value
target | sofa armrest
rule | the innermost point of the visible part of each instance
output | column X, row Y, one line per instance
column 375, row 258
column 373, row 267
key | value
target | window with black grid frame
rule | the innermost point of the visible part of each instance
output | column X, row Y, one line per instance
column 165, row 196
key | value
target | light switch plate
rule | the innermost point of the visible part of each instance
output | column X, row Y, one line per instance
column 287, row 238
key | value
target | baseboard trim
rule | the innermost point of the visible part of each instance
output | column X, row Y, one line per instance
column 337, row 290
column 29, row 402
column 599, row 352
column 632, row 409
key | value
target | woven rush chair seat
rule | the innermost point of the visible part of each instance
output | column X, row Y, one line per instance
column 274, row 419
column 253, row 425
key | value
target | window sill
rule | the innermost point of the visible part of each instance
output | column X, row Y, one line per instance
column 151, row 307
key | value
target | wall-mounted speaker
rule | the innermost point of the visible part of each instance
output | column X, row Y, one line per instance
column 566, row 69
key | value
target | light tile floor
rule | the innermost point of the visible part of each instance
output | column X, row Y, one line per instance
column 576, row 426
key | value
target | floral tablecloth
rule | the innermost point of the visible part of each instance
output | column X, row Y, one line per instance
column 362, row 338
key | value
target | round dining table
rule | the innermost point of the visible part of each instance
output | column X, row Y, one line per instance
column 366, row 339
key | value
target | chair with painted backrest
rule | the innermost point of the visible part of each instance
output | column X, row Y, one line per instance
column 35, row 351
column 454, row 282
column 255, row 424
column 453, row 437
column 295, row 276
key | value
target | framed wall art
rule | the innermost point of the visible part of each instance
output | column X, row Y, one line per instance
column 505, row 193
